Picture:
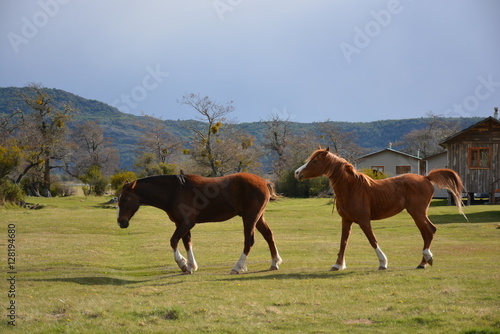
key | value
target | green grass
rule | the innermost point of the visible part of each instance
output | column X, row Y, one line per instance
column 78, row 272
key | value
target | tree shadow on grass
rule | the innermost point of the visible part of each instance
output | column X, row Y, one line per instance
column 475, row 217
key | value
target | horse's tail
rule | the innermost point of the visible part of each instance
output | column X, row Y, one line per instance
column 272, row 191
column 449, row 179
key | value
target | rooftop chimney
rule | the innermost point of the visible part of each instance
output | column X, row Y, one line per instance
column 495, row 114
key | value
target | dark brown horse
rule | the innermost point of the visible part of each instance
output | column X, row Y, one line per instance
column 360, row 199
column 192, row 199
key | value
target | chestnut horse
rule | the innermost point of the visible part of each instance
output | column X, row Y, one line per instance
column 192, row 199
column 360, row 199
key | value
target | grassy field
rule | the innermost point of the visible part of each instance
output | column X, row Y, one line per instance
column 78, row 272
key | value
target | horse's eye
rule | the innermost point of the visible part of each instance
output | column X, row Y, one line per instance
column 315, row 161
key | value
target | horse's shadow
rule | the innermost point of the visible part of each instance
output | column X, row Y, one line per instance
column 100, row 280
column 250, row 276
column 247, row 276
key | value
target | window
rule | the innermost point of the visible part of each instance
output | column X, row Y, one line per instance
column 479, row 158
column 377, row 169
column 403, row 169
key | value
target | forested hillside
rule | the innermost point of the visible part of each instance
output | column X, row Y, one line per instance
column 123, row 129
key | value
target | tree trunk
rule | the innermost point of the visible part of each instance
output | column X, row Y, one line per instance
column 46, row 179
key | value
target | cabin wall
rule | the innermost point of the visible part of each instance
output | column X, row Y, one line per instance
column 475, row 180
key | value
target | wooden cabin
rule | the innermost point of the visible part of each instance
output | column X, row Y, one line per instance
column 474, row 153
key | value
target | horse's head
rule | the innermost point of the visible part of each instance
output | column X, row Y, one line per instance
column 314, row 166
column 128, row 204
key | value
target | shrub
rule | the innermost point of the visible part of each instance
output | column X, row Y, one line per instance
column 10, row 192
column 376, row 175
column 96, row 182
column 118, row 180
column 60, row 189
column 289, row 186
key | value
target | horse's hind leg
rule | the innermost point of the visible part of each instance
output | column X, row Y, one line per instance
column 427, row 229
column 249, row 231
column 192, row 266
column 266, row 232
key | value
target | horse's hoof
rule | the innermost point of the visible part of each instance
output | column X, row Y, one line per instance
column 334, row 269
column 430, row 261
column 184, row 269
column 273, row 268
column 382, row 268
column 420, row 266
column 187, row 272
column 234, row 272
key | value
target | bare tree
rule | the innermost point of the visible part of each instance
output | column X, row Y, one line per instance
column 340, row 142
column 209, row 151
column 90, row 148
column 276, row 139
column 425, row 142
column 157, row 140
column 42, row 132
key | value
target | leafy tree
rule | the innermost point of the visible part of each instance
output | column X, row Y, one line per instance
column 10, row 158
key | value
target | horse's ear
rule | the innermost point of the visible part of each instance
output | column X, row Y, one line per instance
column 126, row 182
column 319, row 147
column 327, row 149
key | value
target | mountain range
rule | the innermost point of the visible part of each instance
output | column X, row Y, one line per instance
column 123, row 131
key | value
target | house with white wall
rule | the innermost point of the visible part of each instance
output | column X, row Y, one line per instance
column 390, row 161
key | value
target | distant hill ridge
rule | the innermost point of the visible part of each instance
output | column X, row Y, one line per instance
column 122, row 128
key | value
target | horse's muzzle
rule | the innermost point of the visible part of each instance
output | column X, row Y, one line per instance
column 123, row 223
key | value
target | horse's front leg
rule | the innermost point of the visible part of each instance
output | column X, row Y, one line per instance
column 346, row 231
column 192, row 266
column 180, row 232
column 367, row 229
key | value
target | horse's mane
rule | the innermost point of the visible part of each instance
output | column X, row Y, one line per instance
column 180, row 178
column 340, row 168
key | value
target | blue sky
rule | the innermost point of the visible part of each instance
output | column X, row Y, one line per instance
column 303, row 60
